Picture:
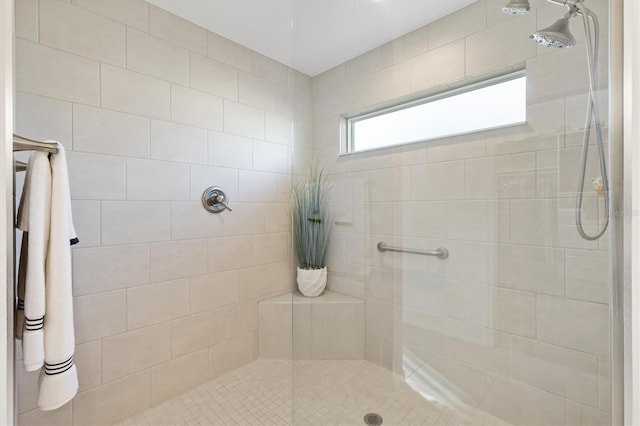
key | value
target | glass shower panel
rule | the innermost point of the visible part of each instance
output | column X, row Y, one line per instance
column 512, row 328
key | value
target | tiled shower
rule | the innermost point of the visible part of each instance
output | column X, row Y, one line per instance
column 153, row 109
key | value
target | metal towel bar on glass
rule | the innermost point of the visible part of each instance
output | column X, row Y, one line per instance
column 440, row 252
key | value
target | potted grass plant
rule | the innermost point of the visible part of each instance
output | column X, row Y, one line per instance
column 311, row 228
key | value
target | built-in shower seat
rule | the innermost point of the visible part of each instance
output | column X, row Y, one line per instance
column 328, row 327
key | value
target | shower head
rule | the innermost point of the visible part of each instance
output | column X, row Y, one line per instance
column 516, row 7
column 557, row 35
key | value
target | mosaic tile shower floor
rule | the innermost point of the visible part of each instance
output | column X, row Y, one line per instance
column 326, row 393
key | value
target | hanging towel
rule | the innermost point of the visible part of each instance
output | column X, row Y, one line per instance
column 59, row 378
column 34, row 219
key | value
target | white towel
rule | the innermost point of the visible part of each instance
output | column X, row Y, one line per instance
column 59, row 378
column 34, row 218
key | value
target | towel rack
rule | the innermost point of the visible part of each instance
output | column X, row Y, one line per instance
column 21, row 166
column 20, row 143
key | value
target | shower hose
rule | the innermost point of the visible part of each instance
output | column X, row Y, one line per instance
column 592, row 114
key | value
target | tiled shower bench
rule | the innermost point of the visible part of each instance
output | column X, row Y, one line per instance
column 330, row 326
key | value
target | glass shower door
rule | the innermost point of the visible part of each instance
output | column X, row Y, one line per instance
column 514, row 326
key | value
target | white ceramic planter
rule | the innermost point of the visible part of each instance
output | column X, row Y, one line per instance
column 312, row 282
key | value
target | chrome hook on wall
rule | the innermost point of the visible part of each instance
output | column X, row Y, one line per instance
column 215, row 200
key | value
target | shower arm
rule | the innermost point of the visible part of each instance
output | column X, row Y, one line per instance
column 574, row 6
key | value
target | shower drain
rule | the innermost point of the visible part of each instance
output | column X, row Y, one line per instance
column 373, row 419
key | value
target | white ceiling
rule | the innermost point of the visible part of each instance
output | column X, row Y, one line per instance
column 311, row 36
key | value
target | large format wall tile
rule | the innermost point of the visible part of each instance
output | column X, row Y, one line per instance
column 102, row 39
column 42, row 118
column 102, row 269
column 176, row 142
column 562, row 322
column 109, row 132
column 178, row 376
column 213, row 77
column 127, row 222
column 133, row 13
column 100, row 315
column 135, row 93
column 170, row 301
column 172, row 28
column 97, row 177
column 229, row 52
column 178, row 259
column 197, row 331
column 151, row 56
column 49, row 72
column 570, row 373
column 157, row 180
column 509, row 44
column 113, row 401
column 136, row 350
column 516, row 402
column 195, row 108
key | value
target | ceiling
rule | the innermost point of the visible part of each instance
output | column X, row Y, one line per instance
column 311, row 36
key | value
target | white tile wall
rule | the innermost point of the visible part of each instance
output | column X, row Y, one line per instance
column 195, row 108
column 197, row 331
column 456, row 26
column 134, row 93
column 102, row 269
column 170, row 27
column 149, row 55
column 43, row 118
column 229, row 52
column 135, row 222
column 110, row 402
column 405, row 47
column 178, row 376
column 102, row 39
column 26, row 19
column 439, row 66
column 561, row 322
column 68, row 77
column 127, row 353
column 504, row 44
column 157, row 180
column 109, row 132
column 88, row 360
column 570, row 373
column 178, row 259
column 176, row 142
column 99, row 315
column 86, row 220
column 130, row 84
column 98, row 177
column 227, row 150
column 213, row 77
column 141, row 139
column 132, row 13
column 243, row 120
column 157, row 303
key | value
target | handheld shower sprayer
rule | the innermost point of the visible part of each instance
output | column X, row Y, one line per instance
column 558, row 35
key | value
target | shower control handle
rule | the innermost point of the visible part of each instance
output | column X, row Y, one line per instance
column 215, row 200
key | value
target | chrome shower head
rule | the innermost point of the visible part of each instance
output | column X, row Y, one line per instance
column 516, row 7
column 557, row 35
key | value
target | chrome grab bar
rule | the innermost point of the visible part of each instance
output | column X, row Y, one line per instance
column 440, row 252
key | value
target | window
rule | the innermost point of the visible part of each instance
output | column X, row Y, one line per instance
column 488, row 105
